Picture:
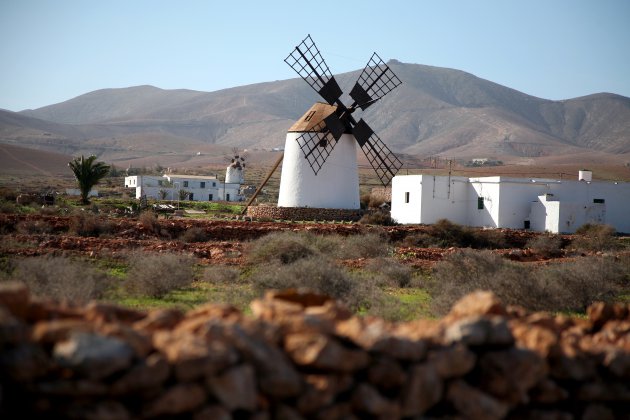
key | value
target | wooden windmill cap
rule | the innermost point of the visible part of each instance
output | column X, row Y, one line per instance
column 313, row 119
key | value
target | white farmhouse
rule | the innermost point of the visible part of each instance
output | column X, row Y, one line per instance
column 198, row 188
column 517, row 203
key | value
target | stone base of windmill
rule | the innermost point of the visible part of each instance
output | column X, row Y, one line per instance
column 304, row 213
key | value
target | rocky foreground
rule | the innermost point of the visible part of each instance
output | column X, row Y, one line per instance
column 302, row 355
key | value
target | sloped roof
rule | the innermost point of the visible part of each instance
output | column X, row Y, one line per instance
column 313, row 119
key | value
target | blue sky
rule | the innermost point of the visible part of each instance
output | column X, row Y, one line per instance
column 54, row 50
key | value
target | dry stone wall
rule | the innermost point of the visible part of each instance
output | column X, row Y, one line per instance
column 302, row 355
column 303, row 213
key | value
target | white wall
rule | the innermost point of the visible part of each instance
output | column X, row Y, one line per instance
column 509, row 202
column 150, row 186
column 404, row 211
column 489, row 189
column 335, row 186
column 431, row 198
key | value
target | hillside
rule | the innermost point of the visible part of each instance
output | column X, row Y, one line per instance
column 437, row 111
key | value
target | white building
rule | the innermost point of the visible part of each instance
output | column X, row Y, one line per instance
column 198, row 188
column 517, row 203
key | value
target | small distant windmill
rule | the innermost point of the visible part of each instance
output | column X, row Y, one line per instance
column 235, row 172
column 320, row 163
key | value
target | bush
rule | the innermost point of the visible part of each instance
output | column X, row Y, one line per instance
column 446, row 234
column 546, row 245
column 88, row 224
column 468, row 270
column 314, row 273
column 148, row 220
column 369, row 245
column 568, row 286
column 596, row 237
column 281, row 247
column 380, row 218
column 194, row 234
column 221, row 274
column 61, row 278
column 155, row 275
column 390, row 273
column 31, row 227
column 573, row 286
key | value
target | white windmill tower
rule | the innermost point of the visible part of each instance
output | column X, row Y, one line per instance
column 235, row 172
column 328, row 133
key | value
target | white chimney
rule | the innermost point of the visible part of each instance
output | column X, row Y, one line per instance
column 585, row 175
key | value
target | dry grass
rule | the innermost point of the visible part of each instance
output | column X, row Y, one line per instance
column 566, row 286
column 155, row 275
column 61, row 278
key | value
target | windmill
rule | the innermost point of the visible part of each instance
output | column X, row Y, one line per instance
column 320, row 163
column 235, row 171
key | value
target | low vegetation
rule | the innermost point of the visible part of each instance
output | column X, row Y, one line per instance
column 446, row 234
column 155, row 275
column 566, row 286
column 61, row 278
column 363, row 270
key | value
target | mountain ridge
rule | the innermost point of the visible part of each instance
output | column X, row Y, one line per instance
column 436, row 111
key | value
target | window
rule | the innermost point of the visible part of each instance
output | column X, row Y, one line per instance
column 526, row 224
column 202, row 185
column 190, row 196
column 309, row 116
column 599, row 201
column 227, row 197
column 214, row 184
column 185, row 184
column 406, row 197
column 210, row 197
column 480, row 203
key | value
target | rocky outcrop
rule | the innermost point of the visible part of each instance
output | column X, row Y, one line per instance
column 302, row 355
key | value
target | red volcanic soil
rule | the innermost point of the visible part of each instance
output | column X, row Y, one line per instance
column 225, row 242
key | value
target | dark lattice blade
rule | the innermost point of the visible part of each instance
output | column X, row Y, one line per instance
column 316, row 147
column 383, row 160
column 376, row 80
column 335, row 126
column 307, row 61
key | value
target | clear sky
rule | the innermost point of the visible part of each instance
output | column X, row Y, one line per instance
column 54, row 50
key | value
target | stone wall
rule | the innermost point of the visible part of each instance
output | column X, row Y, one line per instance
column 303, row 213
column 302, row 355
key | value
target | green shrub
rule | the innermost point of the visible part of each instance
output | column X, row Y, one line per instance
column 194, row 234
column 148, row 220
column 31, row 227
column 596, row 237
column 567, row 286
column 573, row 286
column 61, row 278
column 377, row 217
column 369, row 245
column 315, row 273
column 446, row 234
column 155, row 275
column 390, row 273
column 281, row 247
column 221, row 274
column 88, row 224
column 547, row 245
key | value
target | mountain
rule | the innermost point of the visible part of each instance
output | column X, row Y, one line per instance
column 436, row 111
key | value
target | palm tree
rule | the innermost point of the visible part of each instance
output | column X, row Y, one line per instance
column 88, row 173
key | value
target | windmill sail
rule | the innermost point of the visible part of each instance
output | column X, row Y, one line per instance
column 308, row 62
column 322, row 127
column 383, row 160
